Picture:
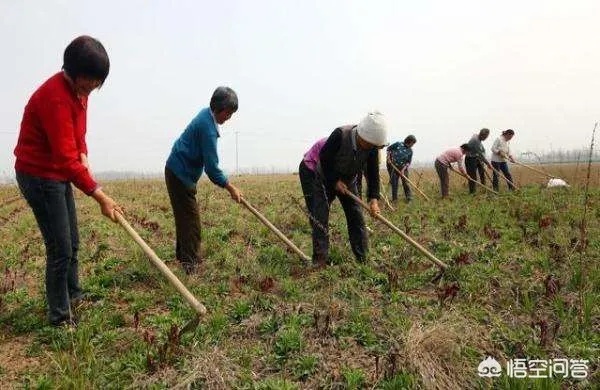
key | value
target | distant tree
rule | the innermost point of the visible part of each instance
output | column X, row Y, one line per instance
column 560, row 156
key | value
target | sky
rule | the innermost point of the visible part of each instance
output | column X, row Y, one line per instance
column 440, row 70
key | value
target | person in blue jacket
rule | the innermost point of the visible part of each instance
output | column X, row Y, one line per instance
column 399, row 158
column 194, row 152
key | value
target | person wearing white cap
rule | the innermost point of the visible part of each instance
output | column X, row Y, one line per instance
column 342, row 156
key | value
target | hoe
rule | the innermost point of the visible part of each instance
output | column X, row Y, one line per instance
column 402, row 175
column 504, row 177
column 158, row 263
column 279, row 234
column 474, row 181
column 405, row 236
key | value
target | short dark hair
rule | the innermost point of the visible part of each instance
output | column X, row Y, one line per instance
column 485, row 131
column 465, row 147
column 224, row 98
column 411, row 139
column 86, row 57
column 508, row 132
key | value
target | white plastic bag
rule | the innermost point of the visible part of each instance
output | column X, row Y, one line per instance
column 557, row 183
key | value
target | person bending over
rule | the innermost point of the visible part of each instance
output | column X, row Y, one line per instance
column 193, row 153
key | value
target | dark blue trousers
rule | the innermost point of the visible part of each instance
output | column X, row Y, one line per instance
column 502, row 167
column 394, row 178
column 53, row 205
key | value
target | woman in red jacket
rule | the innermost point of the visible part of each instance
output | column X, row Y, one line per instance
column 51, row 154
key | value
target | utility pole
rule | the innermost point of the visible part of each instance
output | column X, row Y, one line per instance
column 237, row 167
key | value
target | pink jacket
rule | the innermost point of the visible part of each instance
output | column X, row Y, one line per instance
column 450, row 156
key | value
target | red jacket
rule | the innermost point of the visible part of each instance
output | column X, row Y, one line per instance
column 52, row 135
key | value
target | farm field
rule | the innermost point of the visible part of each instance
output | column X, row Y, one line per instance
column 524, row 281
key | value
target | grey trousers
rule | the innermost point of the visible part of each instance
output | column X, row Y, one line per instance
column 442, row 172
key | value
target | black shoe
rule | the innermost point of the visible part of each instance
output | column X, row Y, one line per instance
column 319, row 262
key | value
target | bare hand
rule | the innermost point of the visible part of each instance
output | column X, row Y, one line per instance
column 341, row 187
column 108, row 206
column 374, row 207
column 236, row 195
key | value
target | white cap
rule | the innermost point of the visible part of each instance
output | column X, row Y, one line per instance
column 373, row 129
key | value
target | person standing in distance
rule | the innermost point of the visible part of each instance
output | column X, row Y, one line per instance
column 399, row 157
column 444, row 161
column 500, row 157
column 475, row 159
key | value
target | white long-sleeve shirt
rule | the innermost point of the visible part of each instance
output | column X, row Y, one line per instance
column 499, row 147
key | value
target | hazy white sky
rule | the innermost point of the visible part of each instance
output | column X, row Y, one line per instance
column 438, row 69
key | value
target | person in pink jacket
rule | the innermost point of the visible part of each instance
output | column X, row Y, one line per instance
column 444, row 161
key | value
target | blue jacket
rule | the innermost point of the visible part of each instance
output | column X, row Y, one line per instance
column 195, row 151
column 400, row 154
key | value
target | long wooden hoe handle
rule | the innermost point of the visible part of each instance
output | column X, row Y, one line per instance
column 488, row 175
column 468, row 178
column 387, row 202
column 504, row 177
column 196, row 305
column 275, row 230
column 405, row 236
column 408, row 180
column 534, row 169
